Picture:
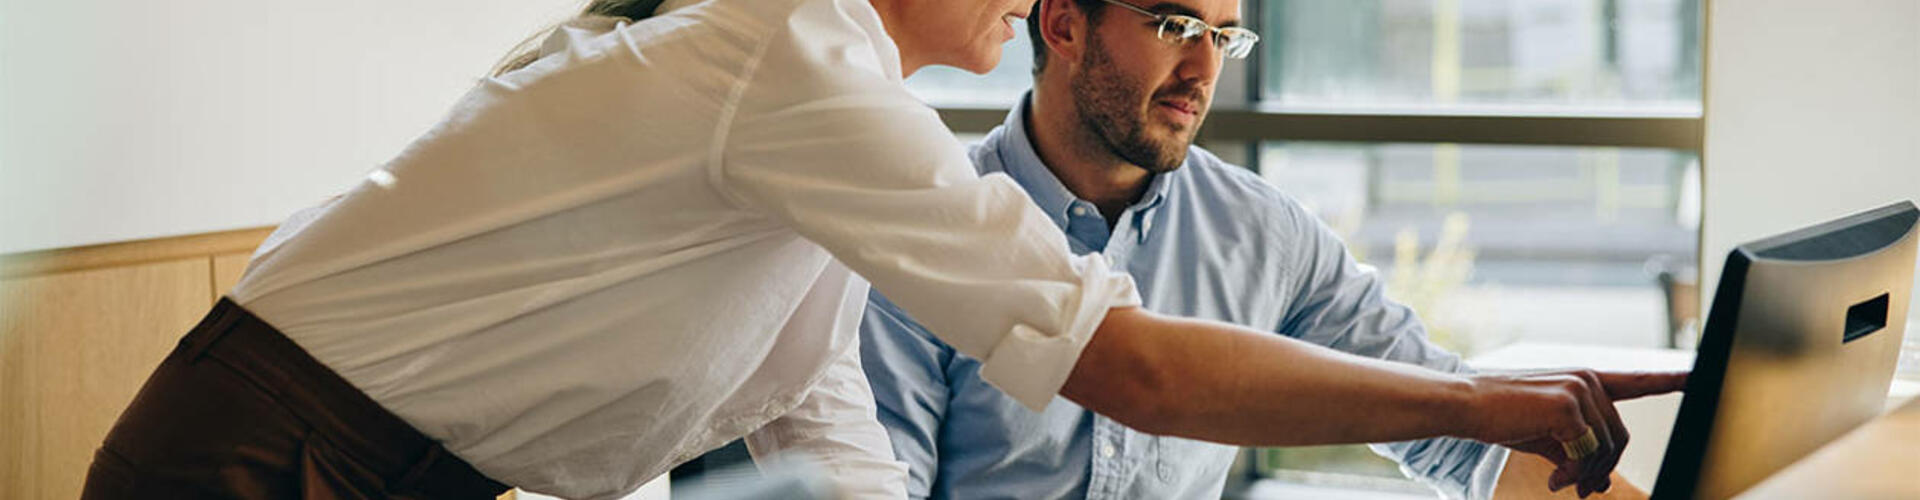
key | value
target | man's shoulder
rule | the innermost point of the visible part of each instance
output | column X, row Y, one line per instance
column 1244, row 190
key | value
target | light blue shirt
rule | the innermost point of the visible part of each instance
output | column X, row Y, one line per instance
column 1208, row 240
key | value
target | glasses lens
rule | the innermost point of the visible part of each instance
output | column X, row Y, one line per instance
column 1237, row 42
column 1181, row 28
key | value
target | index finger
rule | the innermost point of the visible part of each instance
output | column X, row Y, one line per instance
column 1629, row 385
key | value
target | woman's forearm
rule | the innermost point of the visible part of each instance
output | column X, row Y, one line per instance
column 1219, row 382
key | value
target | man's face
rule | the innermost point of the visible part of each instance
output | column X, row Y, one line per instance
column 1144, row 97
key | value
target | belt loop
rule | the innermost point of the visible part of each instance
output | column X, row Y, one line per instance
column 216, row 325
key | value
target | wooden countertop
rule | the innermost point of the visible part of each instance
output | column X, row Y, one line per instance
column 1879, row 460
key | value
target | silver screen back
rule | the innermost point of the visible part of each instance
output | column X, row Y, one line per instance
column 1799, row 348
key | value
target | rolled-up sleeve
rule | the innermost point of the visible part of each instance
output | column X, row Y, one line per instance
column 824, row 141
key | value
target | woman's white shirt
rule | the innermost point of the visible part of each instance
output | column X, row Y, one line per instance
column 659, row 238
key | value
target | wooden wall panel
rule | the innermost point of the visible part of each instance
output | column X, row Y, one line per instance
column 82, row 328
column 63, row 260
column 226, row 272
column 74, row 348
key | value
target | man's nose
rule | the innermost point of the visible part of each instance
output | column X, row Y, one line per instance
column 1201, row 60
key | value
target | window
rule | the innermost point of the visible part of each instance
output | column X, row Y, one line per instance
column 1506, row 164
column 1493, row 55
column 1497, row 243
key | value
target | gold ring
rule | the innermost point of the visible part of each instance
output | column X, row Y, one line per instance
column 1581, row 447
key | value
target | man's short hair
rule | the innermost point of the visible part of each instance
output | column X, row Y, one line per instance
column 1092, row 8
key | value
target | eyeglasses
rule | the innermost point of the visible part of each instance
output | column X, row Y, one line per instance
column 1234, row 42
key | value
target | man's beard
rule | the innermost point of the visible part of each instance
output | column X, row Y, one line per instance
column 1107, row 100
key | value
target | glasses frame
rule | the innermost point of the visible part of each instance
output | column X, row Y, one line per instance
column 1220, row 35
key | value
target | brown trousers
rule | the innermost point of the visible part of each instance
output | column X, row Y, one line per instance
column 239, row 411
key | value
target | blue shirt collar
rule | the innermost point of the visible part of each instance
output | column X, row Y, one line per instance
column 1021, row 161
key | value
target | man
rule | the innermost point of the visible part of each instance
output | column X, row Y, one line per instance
column 1103, row 145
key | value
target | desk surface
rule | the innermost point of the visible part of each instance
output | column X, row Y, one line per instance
column 1881, row 459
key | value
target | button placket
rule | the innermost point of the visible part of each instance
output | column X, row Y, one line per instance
column 1084, row 224
column 1108, row 466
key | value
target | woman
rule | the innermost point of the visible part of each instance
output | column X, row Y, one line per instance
column 654, row 237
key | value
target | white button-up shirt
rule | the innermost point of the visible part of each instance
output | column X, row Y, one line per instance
column 654, row 241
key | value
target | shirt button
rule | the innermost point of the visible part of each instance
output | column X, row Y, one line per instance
column 1080, row 211
column 1166, row 472
column 1107, row 451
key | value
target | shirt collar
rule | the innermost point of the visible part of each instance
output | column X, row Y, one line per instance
column 1021, row 161
column 575, row 32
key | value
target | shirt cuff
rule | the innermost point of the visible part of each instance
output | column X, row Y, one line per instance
column 1030, row 364
column 1486, row 475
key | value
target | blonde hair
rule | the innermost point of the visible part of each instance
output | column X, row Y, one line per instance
column 528, row 50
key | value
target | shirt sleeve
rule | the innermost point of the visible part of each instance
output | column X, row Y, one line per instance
column 1344, row 306
column 824, row 141
column 907, row 369
column 834, row 427
column 1341, row 305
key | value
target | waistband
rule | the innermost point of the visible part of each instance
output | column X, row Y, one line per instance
column 408, row 460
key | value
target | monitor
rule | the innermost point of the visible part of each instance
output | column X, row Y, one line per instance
column 1799, row 347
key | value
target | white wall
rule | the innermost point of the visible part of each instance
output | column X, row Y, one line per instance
column 1812, row 112
column 127, row 119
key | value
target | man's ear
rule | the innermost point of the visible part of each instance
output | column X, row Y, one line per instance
column 1063, row 26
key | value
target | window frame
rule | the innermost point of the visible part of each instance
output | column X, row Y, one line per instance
column 1260, row 123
